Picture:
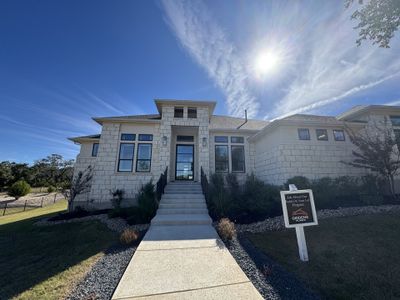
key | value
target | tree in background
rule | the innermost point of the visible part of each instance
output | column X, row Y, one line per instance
column 80, row 184
column 6, row 176
column 377, row 20
column 19, row 189
column 377, row 151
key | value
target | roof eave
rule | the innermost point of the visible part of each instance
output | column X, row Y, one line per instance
column 124, row 120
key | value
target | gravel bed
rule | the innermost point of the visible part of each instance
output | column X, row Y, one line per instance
column 114, row 224
column 270, row 279
column 101, row 281
column 276, row 223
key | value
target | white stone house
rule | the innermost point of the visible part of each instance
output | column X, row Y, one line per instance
column 186, row 136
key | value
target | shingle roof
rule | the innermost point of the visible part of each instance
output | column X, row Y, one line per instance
column 303, row 117
column 225, row 122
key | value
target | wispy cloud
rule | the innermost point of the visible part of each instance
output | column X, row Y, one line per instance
column 207, row 43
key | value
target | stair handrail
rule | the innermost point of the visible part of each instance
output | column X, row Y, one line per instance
column 204, row 183
column 161, row 183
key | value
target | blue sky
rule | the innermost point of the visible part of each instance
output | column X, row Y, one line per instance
column 63, row 62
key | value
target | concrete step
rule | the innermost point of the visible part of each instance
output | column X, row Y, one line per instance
column 197, row 197
column 183, row 192
column 182, row 205
column 181, row 219
column 188, row 200
column 174, row 211
column 186, row 189
column 189, row 183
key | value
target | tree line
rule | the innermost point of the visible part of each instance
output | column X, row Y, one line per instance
column 52, row 171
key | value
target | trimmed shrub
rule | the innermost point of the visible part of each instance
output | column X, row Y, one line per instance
column 118, row 196
column 147, row 201
column 51, row 189
column 19, row 189
column 128, row 236
column 219, row 199
column 226, row 229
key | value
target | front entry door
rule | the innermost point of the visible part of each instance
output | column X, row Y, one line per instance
column 184, row 162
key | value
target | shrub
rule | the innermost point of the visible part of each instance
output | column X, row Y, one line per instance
column 118, row 196
column 19, row 189
column 301, row 182
column 51, row 189
column 226, row 229
column 147, row 201
column 128, row 236
column 219, row 200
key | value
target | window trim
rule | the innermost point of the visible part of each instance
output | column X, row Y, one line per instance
column 141, row 159
column 97, row 151
column 334, row 136
column 298, row 133
column 326, row 131
column 244, row 158
column 180, row 108
column 145, row 134
column 133, row 134
column 240, row 137
column 215, row 158
column 195, row 112
column 221, row 136
column 124, row 159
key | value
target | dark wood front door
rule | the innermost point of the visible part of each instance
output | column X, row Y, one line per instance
column 184, row 162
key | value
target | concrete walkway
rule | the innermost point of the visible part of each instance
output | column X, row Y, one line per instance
column 182, row 257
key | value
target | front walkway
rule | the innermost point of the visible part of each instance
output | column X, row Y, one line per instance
column 182, row 257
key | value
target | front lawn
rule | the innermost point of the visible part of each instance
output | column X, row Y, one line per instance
column 350, row 258
column 45, row 262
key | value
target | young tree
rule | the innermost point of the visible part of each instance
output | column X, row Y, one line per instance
column 378, row 151
column 19, row 189
column 378, row 20
column 80, row 184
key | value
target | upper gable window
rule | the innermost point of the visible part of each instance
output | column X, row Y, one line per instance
column 237, row 139
column 322, row 134
column 178, row 112
column 304, row 134
column 128, row 136
column 339, row 135
column 395, row 120
column 221, row 139
column 95, row 149
column 185, row 138
column 192, row 112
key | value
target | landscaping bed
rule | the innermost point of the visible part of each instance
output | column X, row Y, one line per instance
column 350, row 257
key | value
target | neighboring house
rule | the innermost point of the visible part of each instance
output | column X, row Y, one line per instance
column 185, row 136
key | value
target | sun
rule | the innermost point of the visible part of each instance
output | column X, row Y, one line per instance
column 267, row 62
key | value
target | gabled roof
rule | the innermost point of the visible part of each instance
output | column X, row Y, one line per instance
column 176, row 102
column 85, row 138
column 363, row 109
column 123, row 119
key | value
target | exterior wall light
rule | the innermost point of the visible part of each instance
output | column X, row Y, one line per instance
column 164, row 140
column 204, row 142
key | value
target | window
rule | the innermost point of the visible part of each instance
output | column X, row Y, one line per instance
column 95, row 149
column 125, row 161
column 338, row 135
column 395, row 120
column 304, row 133
column 185, row 138
column 178, row 112
column 322, row 134
column 128, row 136
column 397, row 137
column 221, row 158
column 238, row 164
column 145, row 137
column 237, row 139
column 192, row 112
column 221, row 139
column 143, row 161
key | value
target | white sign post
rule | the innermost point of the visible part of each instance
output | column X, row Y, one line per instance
column 299, row 211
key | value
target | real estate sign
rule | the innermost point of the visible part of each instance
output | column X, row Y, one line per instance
column 298, row 208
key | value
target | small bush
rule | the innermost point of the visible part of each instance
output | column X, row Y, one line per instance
column 147, row 201
column 51, row 189
column 19, row 189
column 118, row 196
column 219, row 198
column 128, row 236
column 226, row 229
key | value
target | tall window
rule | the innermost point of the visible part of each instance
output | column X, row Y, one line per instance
column 238, row 164
column 304, row 134
column 126, row 152
column 95, row 149
column 322, row 134
column 143, row 161
column 192, row 112
column 178, row 112
column 221, row 158
column 338, row 135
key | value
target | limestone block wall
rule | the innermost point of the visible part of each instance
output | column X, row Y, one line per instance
column 83, row 160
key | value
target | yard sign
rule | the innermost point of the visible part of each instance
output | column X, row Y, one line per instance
column 299, row 211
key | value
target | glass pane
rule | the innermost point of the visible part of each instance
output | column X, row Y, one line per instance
column 221, row 139
column 178, row 112
column 192, row 112
column 221, row 166
column 184, row 149
column 237, row 139
column 128, row 136
column 397, row 136
column 304, row 134
column 322, row 134
column 95, row 149
column 221, row 153
column 144, row 151
column 184, row 158
column 126, row 151
column 183, row 166
column 184, row 175
column 237, row 158
column 395, row 120
column 339, row 135
column 125, row 165
column 145, row 137
column 184, row 138
column 143, row 166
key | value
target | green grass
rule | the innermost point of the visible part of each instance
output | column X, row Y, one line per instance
column 350, row 258
column 46, row 262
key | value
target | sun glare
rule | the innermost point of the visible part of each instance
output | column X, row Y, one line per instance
column 267, row 62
